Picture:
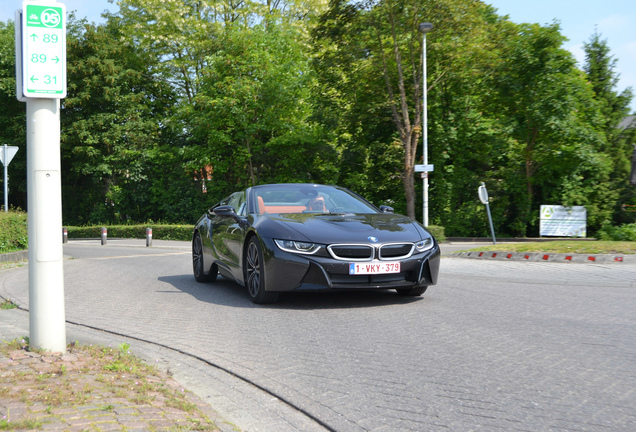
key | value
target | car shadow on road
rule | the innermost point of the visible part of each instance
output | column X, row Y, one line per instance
column 228, row 293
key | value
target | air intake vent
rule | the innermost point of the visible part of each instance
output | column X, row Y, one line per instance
column 351, row 252
column 396, row 251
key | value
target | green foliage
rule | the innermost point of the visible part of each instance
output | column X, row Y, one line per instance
column 438, row 232
column 625, row 232
column 110, row 124
column 14, row 233
column 7, row 304
column 173, row 105
column 249, row 121
column 614, row 107
column 12, row 118
column 159, row 231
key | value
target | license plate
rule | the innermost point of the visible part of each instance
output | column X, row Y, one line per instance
column 374, row 268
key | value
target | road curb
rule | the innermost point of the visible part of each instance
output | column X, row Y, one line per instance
column 15, row 256
column 548, row 257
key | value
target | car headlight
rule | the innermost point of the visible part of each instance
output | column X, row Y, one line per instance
column 423, row 245
column 297, row 246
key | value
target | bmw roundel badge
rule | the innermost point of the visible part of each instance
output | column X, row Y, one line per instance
column 373, row 239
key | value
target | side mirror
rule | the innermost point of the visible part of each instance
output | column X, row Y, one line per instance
column 386, row 209
column 224, row 211
column 228, row 211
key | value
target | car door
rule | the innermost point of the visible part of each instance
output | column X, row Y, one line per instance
column 228, row 234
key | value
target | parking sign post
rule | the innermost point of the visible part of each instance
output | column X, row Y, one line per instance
column 482, row 192
column 41, row 70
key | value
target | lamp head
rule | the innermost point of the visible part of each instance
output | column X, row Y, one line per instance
column 425, row 27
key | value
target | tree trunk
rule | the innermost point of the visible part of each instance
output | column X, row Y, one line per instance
column 409, row 192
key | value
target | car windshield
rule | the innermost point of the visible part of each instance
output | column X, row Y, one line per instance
column 309, row 199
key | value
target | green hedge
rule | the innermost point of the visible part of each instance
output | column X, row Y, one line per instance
column 159, row 232
column 625, row 232
column 438, row 232
column 170, row 232
column 14, row 234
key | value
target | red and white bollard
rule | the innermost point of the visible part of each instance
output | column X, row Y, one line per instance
column 148, row 237
column 104, row 236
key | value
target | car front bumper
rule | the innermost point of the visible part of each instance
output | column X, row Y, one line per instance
column 286, row 271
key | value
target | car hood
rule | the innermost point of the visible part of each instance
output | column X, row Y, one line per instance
column 344, row 228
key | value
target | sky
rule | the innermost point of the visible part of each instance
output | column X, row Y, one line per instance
column 615, row 21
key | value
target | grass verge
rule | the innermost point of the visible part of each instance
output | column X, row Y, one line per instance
column 564, row 246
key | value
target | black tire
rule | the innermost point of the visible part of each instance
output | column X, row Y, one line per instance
column 197, row 262
column 412, row 292
column 255, row 274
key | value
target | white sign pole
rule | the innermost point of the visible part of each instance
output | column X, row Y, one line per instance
column 6, row 156
column 424, row 28
column 6, row 178
column 44, row 190
column 43, row 67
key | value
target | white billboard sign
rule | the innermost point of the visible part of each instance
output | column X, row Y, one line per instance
column 561, row 221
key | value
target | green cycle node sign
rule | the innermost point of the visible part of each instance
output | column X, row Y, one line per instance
column 44, row 50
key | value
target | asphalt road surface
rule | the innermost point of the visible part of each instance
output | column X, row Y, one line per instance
column 509, row 346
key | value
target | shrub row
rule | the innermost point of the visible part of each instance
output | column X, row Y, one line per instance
column 620, row 233
column 14, row 231
column 438, row 232
column 170, row 232
column 14, row 234
column 159, row 232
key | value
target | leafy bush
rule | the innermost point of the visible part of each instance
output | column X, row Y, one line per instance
column 620, row 233
column 438, row 232
column 14, row 234
column 159, row 232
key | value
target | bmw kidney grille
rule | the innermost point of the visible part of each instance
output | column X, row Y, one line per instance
column 358, row 252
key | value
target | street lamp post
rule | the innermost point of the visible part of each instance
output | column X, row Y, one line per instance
column 425, row 28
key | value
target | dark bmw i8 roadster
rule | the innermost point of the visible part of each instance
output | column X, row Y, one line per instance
column 286, row 237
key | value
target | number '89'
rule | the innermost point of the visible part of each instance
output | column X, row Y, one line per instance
column 38, row 58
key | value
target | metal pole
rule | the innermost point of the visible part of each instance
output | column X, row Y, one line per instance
column 6, row 179
column 425, row 28
column 492, row 228
column 44, row 192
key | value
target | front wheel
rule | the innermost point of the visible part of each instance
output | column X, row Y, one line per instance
column 197, row 262
column 412, row 292
column 255, row 274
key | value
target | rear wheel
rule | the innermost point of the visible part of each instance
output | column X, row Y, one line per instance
column 255, row 274
column 197, row 262
column 412, row 292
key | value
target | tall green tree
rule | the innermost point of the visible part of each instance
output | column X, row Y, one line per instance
column 371, row 54
column 12, row 119
column 249, row 122
column 110, row 124
column 554, row 122
column 600, row 67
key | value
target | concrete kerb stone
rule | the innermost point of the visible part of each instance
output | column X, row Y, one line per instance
column 15, row 256
column 548, row 257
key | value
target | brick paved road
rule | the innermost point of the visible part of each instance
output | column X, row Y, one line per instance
column 495, row 346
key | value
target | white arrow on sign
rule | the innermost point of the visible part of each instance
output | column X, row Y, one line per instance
column 7, row 153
